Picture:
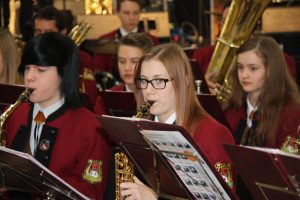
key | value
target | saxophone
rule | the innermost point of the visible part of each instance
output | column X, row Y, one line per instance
column 124, row 168
column 22, row 97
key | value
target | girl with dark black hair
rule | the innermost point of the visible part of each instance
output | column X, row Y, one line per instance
column 53, row 126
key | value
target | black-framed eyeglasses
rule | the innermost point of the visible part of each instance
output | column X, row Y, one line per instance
column 157, row 83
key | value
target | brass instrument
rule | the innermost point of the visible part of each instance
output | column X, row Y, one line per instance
column 124, row 171
column 79, row 32
column 22, row 97
column 123, row 166
column 144, row 110
column 238, row 26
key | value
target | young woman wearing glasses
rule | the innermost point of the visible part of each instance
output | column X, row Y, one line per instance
column 165, row 77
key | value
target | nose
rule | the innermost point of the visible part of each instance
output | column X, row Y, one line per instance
column 29, row 74
column 131, row 16
column 128, row 66
column 244, row 73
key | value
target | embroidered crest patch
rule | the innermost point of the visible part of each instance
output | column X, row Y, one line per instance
column 291, row 145
column 93, row 172
column 44, row 145
column 224, row 170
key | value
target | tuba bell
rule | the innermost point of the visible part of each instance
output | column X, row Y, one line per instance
column 238, row 26
column 79, row 32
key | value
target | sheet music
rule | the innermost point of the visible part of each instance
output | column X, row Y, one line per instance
column 187, row 163
column 273, row 151
column 42, row 168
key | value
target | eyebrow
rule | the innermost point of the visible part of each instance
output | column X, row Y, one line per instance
column 155, row 76
column 119, row 57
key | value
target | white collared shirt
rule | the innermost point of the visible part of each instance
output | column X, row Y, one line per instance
column 46, row 111
column 124, row 33
column 250, row 108
column 127, row 89
column 170, row 120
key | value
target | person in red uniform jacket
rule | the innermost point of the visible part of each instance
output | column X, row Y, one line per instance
column 128, row 12
column 130, row 49
column 66, row 138
column 203, row 55
column 264, row 109
column 164, row 76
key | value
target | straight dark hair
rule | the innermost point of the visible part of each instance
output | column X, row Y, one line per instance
column 54, row 49
column 119, row 2
column 51, row 13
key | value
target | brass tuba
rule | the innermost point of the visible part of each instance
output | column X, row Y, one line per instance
column 79, row 32
column 123, row 166
column 23, row 97
column 238, row 26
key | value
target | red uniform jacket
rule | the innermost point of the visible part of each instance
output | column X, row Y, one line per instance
column 105, row 62
column 210, row 136
column 289, row 122
column 74, row 137
column 86, row 61
column 99, row 107
column 204, row 54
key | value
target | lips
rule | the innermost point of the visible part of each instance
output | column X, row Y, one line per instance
column 244, row 83
column 128, row 75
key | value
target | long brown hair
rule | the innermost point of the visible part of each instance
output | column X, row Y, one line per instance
column 188, row 109
column 10, row 57
column 278, row 90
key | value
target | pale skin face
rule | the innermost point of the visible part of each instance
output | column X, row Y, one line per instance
column 164, row 99
column 129, row 15
column 38, row 79
column 251, row 74
column 128, row 56
column 44, row 26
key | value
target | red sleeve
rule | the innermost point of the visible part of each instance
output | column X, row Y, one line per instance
column 94, row 147
column 210, row 136
column 289, row 124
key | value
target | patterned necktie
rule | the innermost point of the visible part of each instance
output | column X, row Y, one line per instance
column 39, row 119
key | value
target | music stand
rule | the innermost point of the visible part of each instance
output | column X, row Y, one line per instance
column 122, row 104
column 10, row 93
column 167, row 158
column 210, row 103
column 22, row 172
column 119, row 103
column 268, row 173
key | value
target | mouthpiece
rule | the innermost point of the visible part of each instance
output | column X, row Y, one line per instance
column 24, row 96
